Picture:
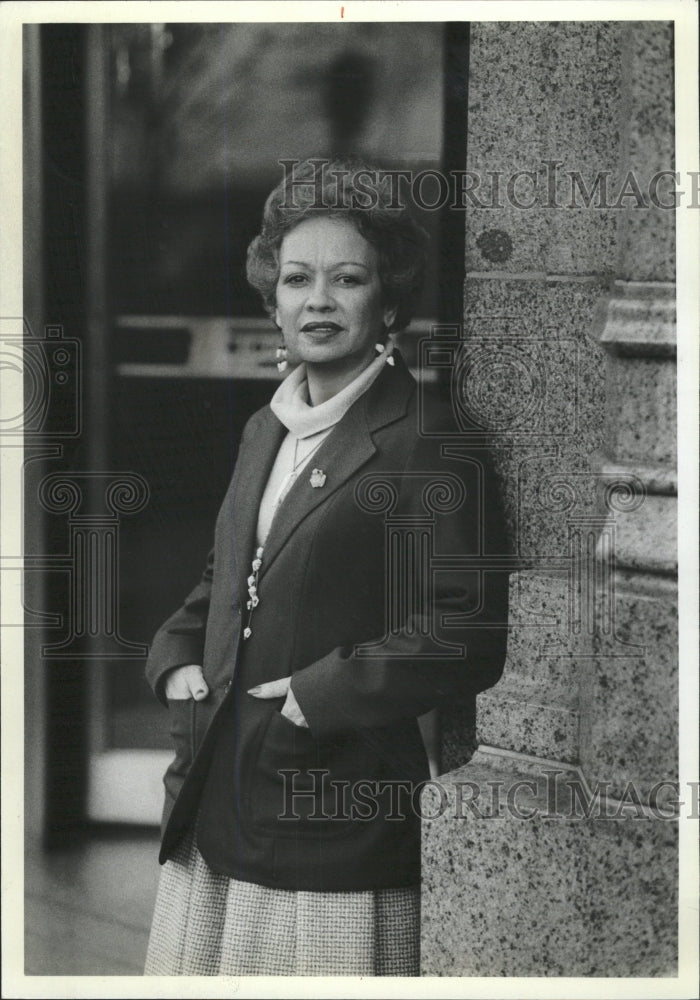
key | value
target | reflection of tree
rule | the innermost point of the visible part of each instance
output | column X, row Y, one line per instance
column 347, row 98
column 201, row 115
column 237, row 97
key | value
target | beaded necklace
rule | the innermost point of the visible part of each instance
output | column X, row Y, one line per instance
column 253, row 599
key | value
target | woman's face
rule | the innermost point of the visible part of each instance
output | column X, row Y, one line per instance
column 329, row 297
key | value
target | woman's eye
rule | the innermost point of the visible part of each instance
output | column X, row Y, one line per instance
column 295, row 279
column 348, row 279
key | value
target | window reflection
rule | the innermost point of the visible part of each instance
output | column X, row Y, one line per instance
column 201, row 114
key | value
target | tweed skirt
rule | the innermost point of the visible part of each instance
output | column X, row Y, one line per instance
column 206, row 925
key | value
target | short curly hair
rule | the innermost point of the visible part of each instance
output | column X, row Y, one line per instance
column 313, row 189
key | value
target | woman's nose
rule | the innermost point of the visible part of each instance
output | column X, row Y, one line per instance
column 320, row 295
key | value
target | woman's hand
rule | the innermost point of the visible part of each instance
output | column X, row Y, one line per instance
column 278, row 689
column 186, row 682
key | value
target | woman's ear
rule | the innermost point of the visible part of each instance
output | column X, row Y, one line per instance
column 390, row 316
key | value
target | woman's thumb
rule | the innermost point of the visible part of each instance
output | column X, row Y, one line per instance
column 198, row 686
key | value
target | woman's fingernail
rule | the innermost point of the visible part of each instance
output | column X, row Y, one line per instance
column 255, row 690
column 200, row 693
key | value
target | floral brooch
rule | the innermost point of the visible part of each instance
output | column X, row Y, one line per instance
column 318, row 478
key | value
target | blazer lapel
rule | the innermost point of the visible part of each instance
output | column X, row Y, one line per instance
column 343, row 452
column 253, row 468
column 347, row 447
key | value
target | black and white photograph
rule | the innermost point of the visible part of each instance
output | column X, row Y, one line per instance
column 349, row 440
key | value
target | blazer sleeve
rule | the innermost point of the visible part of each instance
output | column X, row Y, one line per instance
column 343, row 691
column 180, row 640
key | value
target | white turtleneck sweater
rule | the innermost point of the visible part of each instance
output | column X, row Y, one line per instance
column 308, row 427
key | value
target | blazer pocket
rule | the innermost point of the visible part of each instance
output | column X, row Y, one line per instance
column 181, row 712
column 290, row 793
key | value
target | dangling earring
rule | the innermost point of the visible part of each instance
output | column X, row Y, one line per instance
column 281, row 352
column 388, row 347
column 282, row 363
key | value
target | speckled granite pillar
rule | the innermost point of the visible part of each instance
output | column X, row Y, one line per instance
column 525, row 875
column 568, row 346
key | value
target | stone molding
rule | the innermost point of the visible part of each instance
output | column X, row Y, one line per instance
column 641, row 320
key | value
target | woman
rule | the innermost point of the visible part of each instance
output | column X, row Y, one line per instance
column 296, row 670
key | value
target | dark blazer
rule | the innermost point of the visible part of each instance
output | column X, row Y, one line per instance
column 371, row 639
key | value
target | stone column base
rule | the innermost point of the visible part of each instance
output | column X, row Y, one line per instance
column 527, row 872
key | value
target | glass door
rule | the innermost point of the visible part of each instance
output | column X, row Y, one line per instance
column 197, row 117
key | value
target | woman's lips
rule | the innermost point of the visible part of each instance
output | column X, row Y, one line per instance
column 321, row 328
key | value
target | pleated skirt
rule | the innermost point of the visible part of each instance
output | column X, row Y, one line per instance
column 206, row 925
